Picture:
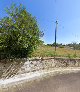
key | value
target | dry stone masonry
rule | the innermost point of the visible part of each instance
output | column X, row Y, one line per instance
column 20, row 66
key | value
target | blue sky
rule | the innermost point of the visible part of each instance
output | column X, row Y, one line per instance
column 67, row 12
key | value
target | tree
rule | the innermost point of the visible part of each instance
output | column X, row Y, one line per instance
column 19, row 33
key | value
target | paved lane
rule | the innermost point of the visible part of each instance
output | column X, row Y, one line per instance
column 61, row 83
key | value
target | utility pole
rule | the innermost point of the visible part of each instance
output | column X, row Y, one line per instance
column 55, row 34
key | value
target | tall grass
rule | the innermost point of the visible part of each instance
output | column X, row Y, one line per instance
column 48, row 51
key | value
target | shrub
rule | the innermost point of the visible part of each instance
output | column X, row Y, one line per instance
column 19, row 33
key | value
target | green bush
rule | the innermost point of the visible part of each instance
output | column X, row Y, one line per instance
column 69, row 56
column 74, row 55
column 19, row 33
column 61, row 46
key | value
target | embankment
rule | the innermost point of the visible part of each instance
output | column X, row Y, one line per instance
column 21, row 66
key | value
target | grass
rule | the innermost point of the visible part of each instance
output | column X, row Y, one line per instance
column 48, row 51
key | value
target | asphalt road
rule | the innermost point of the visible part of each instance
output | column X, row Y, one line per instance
column 60, row 83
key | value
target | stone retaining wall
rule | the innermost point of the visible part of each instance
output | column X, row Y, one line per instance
column 40, row 64
column 19, row 66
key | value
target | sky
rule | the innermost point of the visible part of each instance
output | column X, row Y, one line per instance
column 66, row 12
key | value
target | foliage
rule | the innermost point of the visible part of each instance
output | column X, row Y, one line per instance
column 19, row 33
column 73, row 45
column 57, row 44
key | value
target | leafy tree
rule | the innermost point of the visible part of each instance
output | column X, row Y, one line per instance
column 19, row 33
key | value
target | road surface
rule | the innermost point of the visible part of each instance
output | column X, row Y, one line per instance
column 60, row 83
